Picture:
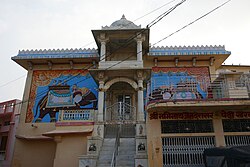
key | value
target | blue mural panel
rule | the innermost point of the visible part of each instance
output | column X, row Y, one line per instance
column 178, row 83
column 57, row 90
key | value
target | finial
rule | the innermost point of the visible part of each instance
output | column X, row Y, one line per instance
column 123, row 16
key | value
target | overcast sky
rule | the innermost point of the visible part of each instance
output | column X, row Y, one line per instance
column 53, row 24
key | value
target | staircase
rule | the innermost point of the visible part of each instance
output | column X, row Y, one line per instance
column 126, row 153
column 106, row 152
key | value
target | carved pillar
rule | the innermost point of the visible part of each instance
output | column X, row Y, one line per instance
column 139, row 41
column 140, row 96
column 140, row 104
column 103, row 51
column 100, row 101
column 103, row 40
column 139, row 50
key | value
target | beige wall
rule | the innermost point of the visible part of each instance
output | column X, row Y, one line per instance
column 69, row 149
column 34, row 153
column 154, row 143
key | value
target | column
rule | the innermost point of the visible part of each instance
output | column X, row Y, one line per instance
column 103, row 51
column 219, row 133
column 139, row 49
column 100, row 101
column 140, row 111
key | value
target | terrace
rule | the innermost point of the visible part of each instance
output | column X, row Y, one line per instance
column 223, row 91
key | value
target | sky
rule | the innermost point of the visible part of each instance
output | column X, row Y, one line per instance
column 61, row 24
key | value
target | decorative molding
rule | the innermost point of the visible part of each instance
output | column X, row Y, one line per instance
column 187, row 50
column 50, row 65
column 56, row 53
column 30, row 65
column 71, row 64
column 194, row 61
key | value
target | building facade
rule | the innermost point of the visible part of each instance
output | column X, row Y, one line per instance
column 9, row 118
column 127, row 103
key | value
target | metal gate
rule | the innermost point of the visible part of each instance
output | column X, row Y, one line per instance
column 120, row 114
column 126, row 130
column 185, row 151
column 237, row 140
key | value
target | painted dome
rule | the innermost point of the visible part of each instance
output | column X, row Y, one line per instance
column 123, row 23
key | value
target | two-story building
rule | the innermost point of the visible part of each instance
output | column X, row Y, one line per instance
column 127, row 103
column 9, row 118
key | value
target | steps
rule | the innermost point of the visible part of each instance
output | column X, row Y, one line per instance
column 126, row 153
column 106, row 152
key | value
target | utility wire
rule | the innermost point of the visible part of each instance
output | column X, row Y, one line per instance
column 155, row 21
column 139, row 18
column 192, row 22
column 12, row 81
column 119, row 28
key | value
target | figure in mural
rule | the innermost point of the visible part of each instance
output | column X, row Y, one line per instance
column 80, row 97
column 57, row 90
column 178, row 84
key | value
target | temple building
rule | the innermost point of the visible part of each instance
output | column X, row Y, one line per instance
column 127, row 103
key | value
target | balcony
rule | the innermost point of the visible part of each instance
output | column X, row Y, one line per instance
column 6, row 108
column 128, row 64
column 74, row 117
column 228, row 90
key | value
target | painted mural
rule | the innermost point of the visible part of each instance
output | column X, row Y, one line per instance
column 178, row 83
column 56, row 90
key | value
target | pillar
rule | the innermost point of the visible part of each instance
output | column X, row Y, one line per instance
column 103, row 51
column 139, row 49
column 219, row 133
column 140, row 112
column 100, row 101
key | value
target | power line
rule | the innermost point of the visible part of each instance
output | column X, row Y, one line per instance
column 154, row 10
column 119, row 28
column 192, row 22
column 155, row 21
column 139, row 17
column 12, row 81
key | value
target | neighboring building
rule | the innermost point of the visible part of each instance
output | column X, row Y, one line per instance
column 9, row 118
column 166, row 103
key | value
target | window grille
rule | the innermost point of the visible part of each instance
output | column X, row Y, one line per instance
column 236, row 125
column 183, row 126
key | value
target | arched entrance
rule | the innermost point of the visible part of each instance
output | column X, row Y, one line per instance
column 120, row 107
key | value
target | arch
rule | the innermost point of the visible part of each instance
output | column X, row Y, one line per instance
column 120, row 79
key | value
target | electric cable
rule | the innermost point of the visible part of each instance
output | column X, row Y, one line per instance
column 199, row 18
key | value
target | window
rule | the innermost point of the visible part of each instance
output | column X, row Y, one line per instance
column 236, row 125
column 183, row 126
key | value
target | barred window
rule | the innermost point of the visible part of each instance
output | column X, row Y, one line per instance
column 183, row 126
column 236, row 125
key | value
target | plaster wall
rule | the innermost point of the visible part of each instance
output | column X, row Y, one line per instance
column 154, row 143
column 69, row 149
column 34, row 153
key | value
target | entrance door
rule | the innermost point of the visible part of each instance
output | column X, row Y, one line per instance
column 124, row 107
column 121, row 117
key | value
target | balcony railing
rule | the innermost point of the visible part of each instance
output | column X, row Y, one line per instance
column 80, row 115
column 6, row 108
column 186, row 88
column 2, row 108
